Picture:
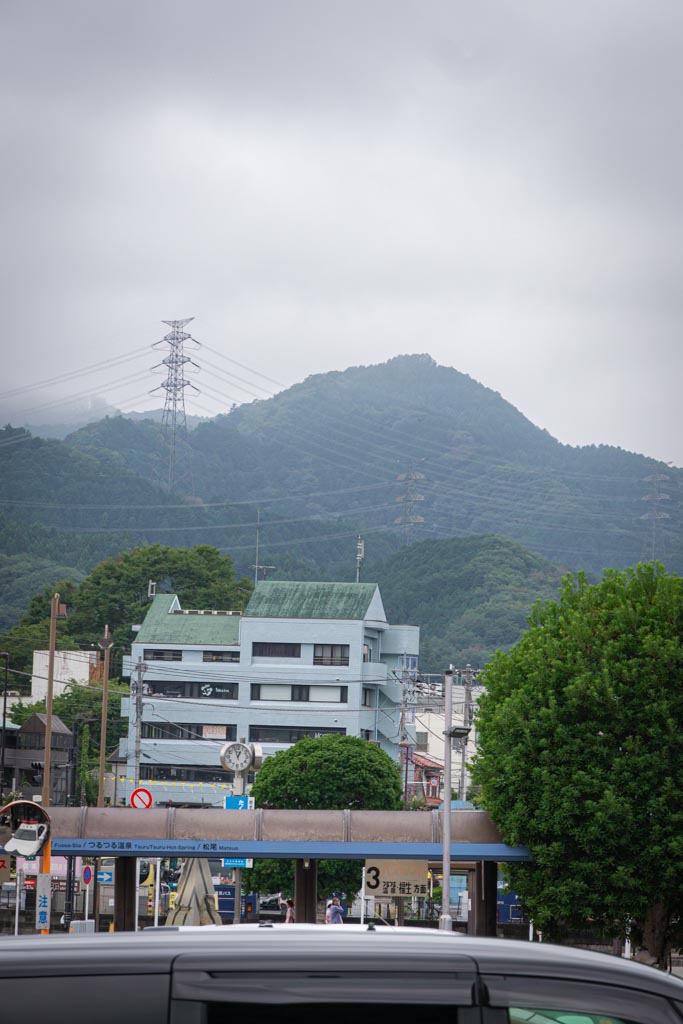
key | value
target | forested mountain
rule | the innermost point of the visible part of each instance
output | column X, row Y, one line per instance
column 351, row 443
column 399, row 452
column 470, row 595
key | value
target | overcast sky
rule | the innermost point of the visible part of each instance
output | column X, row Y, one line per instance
column 324, row 184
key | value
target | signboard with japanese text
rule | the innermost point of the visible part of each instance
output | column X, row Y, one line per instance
column 4, row 868
column 214, row 732
column 396, row 878
column 43, row 901
column 238, row 803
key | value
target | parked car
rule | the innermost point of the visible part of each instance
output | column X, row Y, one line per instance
column 302, row 973
column 275, row 902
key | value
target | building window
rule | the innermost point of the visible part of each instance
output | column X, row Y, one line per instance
column 367, row 652
column 264, row 650
column 288, row 733
column 194, row 690
column 368, row 697
column 331, row 654
column 421, row 740
column 366, row 734
column 229, row 656
column 300, row 693
column 186, row 731
column 256, row 691
column 161, row 655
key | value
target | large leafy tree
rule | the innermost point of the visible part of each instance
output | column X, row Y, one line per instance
column 581, row 754
column 330, row 773
column 115, row 593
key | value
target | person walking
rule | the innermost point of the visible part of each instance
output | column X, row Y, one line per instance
column 289, row 915
column 336, row 912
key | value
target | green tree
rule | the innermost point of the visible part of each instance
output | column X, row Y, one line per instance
column 330, row 773
column 581, row 754
column 115, row 592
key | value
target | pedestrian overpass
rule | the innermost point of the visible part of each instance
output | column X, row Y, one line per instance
column 302, row 835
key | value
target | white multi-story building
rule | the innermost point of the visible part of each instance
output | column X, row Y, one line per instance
column 79, row 667
column 430, row 726
column 304, row 659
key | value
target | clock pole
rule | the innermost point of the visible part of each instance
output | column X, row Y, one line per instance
column 238, row 789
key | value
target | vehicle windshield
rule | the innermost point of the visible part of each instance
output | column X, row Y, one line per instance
column 26, row 832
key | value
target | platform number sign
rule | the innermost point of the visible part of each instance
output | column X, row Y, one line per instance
column 396, row 878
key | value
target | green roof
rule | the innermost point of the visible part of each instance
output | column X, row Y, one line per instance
column 286, row 599
column 163, row 626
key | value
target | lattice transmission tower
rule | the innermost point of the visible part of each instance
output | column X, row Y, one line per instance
column 175, row 468
column 654, row 513
column 409, row 501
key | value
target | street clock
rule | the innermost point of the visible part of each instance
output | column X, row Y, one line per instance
column 236, row 757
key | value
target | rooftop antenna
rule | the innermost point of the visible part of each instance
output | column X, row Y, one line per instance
column 257, row 565
column 151, row 588
column 360, row 555
column 176, row 474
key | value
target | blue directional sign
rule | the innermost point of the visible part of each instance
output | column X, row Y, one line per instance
column 238, row 803
column 105, row 877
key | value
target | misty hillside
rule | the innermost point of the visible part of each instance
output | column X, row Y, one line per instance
column 400, row 452
column 342, row 440
column 470, row 595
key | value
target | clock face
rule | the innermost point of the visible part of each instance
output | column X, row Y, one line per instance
column 237, row 756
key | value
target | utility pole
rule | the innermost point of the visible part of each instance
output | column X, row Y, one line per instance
column 467, row 724
column 55, row 613
column 5, row 656
column 403, row 731
column 445, row 920
column 105, row 643
column 140, row 669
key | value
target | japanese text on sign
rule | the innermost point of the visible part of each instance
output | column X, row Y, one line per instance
column 396, row 878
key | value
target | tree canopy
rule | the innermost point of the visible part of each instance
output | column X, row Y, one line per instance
column 330, row 773
column 115, row 594
column 581, row 752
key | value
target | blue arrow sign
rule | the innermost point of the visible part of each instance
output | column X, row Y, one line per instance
column 105, row 877
column 238, row 803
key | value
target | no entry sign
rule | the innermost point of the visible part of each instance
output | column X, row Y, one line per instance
column 141, row 798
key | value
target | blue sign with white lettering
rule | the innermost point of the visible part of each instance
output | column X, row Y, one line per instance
column 237, row 862
column 238, row 803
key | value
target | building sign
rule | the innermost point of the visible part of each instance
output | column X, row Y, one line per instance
column 219, row 691
column 396, row 878
column 4, row 868
column 213, row 732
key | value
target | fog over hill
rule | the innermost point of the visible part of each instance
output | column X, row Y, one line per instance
column 401, row 452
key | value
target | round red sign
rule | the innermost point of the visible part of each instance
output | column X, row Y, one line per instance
column 141, row 798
